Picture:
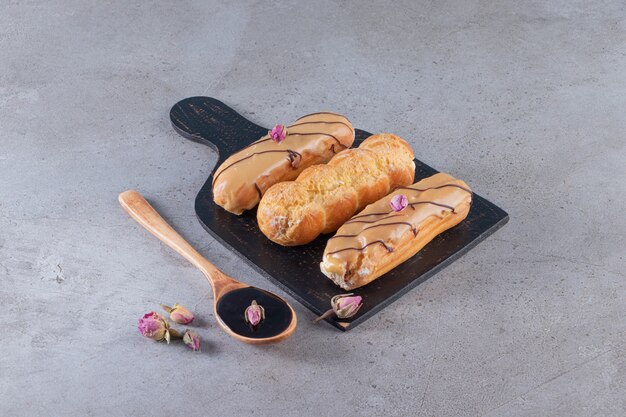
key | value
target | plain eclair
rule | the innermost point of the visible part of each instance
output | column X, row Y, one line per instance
column 323, row 197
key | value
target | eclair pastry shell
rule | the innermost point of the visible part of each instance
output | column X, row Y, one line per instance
column 242, row 179
column 323, row 197
column 374, row 242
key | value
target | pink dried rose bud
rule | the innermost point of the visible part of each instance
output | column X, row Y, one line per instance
column 254, row 314
column 179, row 314
column 343, row 306
column 347, row 305
column 399, row 202
column 154, row 326
column 278, row 133
column 191, row 339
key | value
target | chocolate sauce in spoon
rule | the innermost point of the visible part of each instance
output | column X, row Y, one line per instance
column 231, row 307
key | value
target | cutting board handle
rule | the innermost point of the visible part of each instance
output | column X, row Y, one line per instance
column 211, row 122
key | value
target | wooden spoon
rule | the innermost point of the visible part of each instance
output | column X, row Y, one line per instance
column 230, row 297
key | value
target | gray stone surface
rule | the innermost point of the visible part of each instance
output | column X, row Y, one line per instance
column 524, row 100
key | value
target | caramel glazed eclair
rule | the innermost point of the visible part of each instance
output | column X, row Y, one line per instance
column 240, row 182
column 378, row 239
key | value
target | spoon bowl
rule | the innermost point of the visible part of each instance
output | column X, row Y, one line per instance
column 230, row 297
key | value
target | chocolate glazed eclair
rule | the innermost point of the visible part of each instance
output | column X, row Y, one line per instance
column 380, row 238
column 240, row 182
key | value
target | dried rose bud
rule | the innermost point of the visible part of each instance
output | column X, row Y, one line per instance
column 343, row 306
column 347, row 305
column 154, row 326
column 278, row 133
column 254, row 314
column 191, row 339
column 179, row 314
column 399, row 202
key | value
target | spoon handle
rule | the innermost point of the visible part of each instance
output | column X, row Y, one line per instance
column 140, row 210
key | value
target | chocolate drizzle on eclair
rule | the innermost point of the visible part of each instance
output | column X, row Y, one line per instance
column 435, row 188
column 307, row 134
column 265, row 139
column 291, row 157
column 369, row 227
column 389, row 248
column 413, row 229
column 258, row 189
column 332, row 148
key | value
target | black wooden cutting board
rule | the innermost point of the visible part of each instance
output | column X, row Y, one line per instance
column 296, row 269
